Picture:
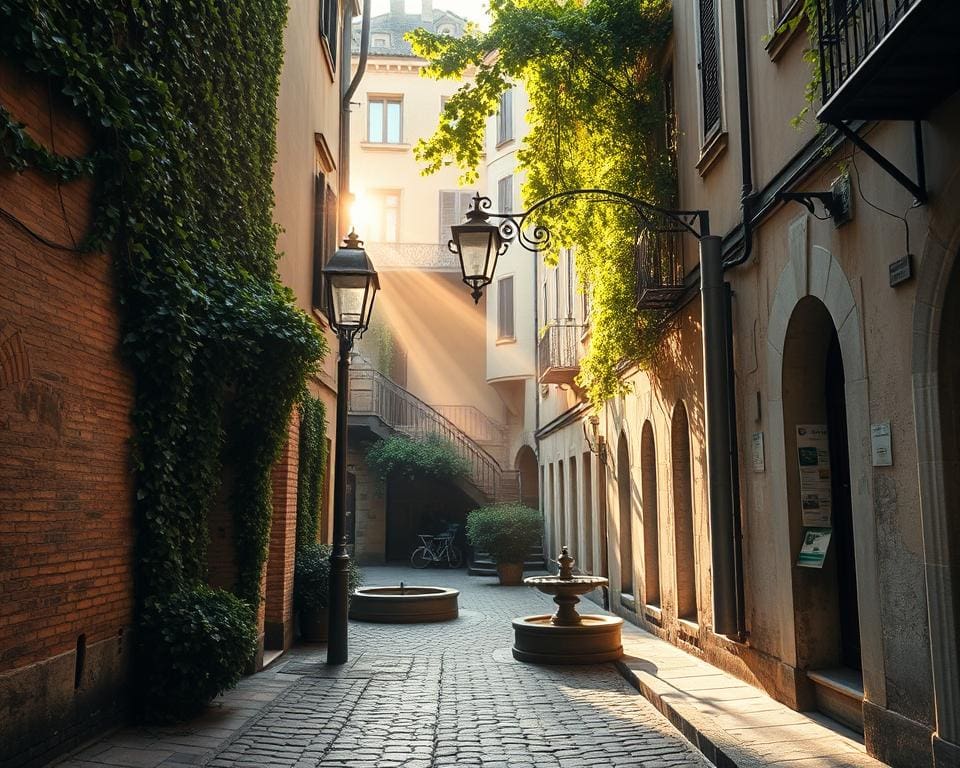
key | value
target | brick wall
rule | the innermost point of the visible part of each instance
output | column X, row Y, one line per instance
column 66, row 490
column 283, row 538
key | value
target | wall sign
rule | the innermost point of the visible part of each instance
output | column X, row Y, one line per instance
column 813, row 551
column 813, row 455
column 756, row 443
column 881, row 444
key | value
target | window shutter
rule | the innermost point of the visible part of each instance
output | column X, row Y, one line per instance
column 330, row 241
column 505, row 308
column 505, row 194
column 709, row 66
column 448, row 214
column 318, row 240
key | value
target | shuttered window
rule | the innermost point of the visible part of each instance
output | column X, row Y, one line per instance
column 330, row 27
column 709, row 65
column 454, row 204
column 505, row 308
column 505, row 117
column 505, row 194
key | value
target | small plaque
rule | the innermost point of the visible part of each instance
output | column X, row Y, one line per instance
column 881, row 444
column 813, row 551
column 757, row 443
column 901, row 270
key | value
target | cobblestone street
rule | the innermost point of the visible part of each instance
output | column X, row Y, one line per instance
column 418, row 696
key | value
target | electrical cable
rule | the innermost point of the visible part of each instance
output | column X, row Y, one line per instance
column 903, row 218
column 36, row 236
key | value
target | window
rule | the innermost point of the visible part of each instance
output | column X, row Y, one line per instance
column 505, row 118
column 380, row 39
column 708, row 62
column 505, row 194
column 570, row 279
column 383, row 120
column 454, row 204
column 386, row 216
column 446, row 29
column 330, row 27
column 324, row 235
column 505, row 308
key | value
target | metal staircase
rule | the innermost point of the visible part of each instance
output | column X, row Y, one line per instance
column 375, row 397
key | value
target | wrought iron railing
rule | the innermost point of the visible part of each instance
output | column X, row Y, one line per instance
column 373, row 394
column 474, row 422
column 848, row 31
column 559, row 346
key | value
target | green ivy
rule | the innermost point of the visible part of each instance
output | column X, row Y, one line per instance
column 431, row 457
column 313, row 463
column 596, row 120
column 181, row 96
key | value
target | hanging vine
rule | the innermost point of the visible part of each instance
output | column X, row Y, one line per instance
column 182, row 98
column 596, row 120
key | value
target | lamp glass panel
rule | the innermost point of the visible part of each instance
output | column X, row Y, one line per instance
column 474, row 247
column 349, row 295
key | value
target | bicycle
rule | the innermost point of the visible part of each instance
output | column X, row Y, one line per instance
column 437, row 549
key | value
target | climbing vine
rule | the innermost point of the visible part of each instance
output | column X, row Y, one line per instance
column 312, row 464
column 181, row 95
column 596, row 119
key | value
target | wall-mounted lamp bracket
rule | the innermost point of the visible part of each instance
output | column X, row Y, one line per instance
column 835, row 204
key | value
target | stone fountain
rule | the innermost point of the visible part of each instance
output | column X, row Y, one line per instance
column 404, row 604
column 567, row 637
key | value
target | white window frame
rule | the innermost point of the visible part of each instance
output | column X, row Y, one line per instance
column 512, row 336
column 385, row 99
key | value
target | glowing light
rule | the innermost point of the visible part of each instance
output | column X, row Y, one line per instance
column 361, row 214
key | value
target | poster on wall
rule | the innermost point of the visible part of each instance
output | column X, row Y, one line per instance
column 813, row 551
column 813, row 454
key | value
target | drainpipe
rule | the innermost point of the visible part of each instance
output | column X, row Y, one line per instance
column 346, row 55
column 727, row 531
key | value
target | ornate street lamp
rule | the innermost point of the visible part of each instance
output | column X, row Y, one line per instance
column 477, row 244
column 352, row 284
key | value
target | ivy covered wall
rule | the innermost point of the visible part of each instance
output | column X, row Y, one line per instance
column 182, row 99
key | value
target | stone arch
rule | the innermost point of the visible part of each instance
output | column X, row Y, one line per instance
column 684, row 553
column 815, row 272
column 625, row 508
column 525, row 462
column 651, row 519
column 938, row 456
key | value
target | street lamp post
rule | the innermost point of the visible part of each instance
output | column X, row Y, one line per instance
column 478, row 243
column 351, row 285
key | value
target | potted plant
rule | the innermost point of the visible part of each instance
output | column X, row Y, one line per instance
column 311, row 588
column 507, row 532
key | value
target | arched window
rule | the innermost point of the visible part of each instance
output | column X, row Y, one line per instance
column 626, row 525
column 685, row 558
column 648, row 501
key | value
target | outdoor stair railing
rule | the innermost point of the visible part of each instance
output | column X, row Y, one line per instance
column 373, row 394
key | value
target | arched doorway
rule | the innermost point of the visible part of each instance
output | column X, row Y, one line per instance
column 526, row 465
column 685, row 559
column 625, row 495
column 648, row 501
column 586, row 556
column 819, row 499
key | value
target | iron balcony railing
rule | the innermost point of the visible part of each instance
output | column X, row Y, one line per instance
column 373, row 394
column 559, row 352
column 848, row 31
column 474, row 422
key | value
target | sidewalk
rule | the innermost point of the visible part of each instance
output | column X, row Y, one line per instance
column 731, row 722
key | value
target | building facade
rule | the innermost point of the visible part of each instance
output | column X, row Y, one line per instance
column 67, row 489
column 845, row 399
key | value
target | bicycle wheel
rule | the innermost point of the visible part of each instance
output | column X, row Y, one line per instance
column 420, row 558
column 454, row 557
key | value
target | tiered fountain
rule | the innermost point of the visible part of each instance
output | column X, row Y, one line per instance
column 567, row 637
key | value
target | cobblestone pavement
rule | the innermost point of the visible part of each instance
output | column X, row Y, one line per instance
column 416, row 696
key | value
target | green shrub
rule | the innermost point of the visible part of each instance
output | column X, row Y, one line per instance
column 312, row 466
column 195, row 644
column 431, row 457
column 311, row 577
column 506, row 531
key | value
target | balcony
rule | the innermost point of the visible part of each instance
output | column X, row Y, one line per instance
column 559, row 353
column 659, row 258
column 887, row 59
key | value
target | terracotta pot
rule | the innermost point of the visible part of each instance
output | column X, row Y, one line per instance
column 314, row 625
column 511, row 574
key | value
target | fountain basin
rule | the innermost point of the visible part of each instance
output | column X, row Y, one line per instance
column 404, row 605
column 596, row 639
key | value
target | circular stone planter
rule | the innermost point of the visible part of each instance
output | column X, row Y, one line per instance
column 404, row 605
